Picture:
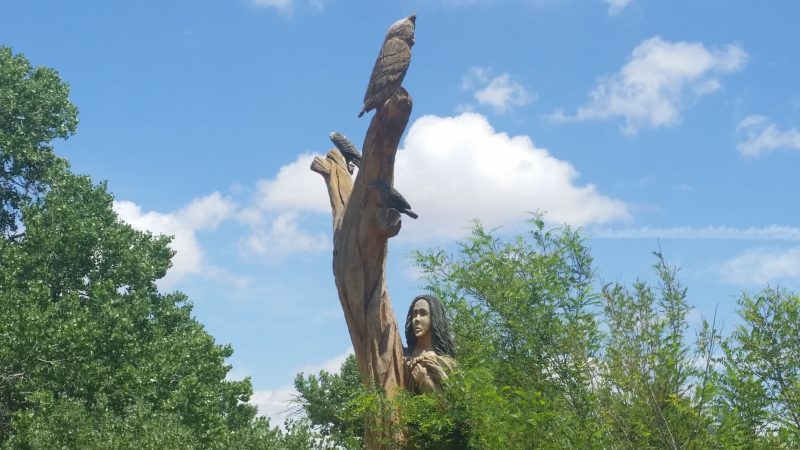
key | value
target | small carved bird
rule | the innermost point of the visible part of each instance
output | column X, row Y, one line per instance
column 391, row 65
column 347, row 149
column 393, row 199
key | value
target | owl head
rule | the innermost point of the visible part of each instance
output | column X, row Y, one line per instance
column 403, row 29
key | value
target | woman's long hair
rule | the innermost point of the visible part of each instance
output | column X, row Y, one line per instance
column 440, row 332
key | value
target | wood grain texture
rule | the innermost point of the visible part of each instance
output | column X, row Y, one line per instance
column 388, row 73
column 362, row 226
column 391, row 65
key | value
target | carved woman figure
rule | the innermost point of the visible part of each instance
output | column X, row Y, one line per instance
column 430, row 351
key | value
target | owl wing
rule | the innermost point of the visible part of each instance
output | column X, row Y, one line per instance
column 346, row 148
column 343, row 144
column 390, row 69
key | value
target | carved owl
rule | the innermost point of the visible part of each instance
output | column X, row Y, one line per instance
column 347, row 149
column 391, row 198
column 391, row 65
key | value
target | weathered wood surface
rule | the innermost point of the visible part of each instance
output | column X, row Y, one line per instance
column 362, row 226
column 391, row 65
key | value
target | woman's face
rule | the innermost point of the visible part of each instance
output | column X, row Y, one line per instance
column 421, row 318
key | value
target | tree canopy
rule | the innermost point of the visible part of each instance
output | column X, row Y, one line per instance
column 34, row 110
column 547, row 359
column 92, row 355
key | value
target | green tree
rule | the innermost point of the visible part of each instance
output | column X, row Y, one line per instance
column 92, row 355
column 523, row 315
column 331, row 403
column 759, row 399
column 526, row 335
column 656, row 389
column 34, row 110
column 67, row 423
column 534, row 370
column 83, row 320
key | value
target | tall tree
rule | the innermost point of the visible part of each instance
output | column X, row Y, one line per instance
column 82, row 319
column 331, row 402
column 521, row 312
column 759, row 394
column 34, row 110
column 92, row 355
column 656, row 388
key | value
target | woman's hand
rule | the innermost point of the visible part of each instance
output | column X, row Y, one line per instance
column 432, row 365
column 419, row 373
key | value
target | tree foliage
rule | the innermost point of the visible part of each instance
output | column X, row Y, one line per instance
column 758, row 405
column 655, row 388
column 547, row 359
column 92, row 355
column 331, row 403
column 34, row 110
column 521, row 313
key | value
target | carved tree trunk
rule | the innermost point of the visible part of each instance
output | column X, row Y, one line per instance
column 362, row 226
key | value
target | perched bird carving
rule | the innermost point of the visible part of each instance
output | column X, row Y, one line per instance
column 393, row 199
column 391, row 65
column 351, row 154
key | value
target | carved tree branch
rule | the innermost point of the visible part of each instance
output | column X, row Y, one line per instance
column 362, row 226
column 337, row 179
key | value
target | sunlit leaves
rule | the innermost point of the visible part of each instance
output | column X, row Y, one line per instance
column 34, row 110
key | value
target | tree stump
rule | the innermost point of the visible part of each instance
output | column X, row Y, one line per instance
column 362, row 226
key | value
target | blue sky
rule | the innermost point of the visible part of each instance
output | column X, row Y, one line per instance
column 648, row 124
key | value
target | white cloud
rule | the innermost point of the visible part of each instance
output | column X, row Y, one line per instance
column 761, row 266
column 502, row 93
column 201, row 214
column 658, row 82
column 476, row 76
column 286, row 6
column 331, row 365
column 280, row 205
column 206, row 212
column 294, row 188
column 499, row 92
column 280, row 5
column 455, row 169
column 281, row 236
column 770, row 233
column 274, row 403
column 452, row 170
column 762, row 136
column 616, row 6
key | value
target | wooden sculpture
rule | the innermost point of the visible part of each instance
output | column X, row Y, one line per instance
column 366, row 213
